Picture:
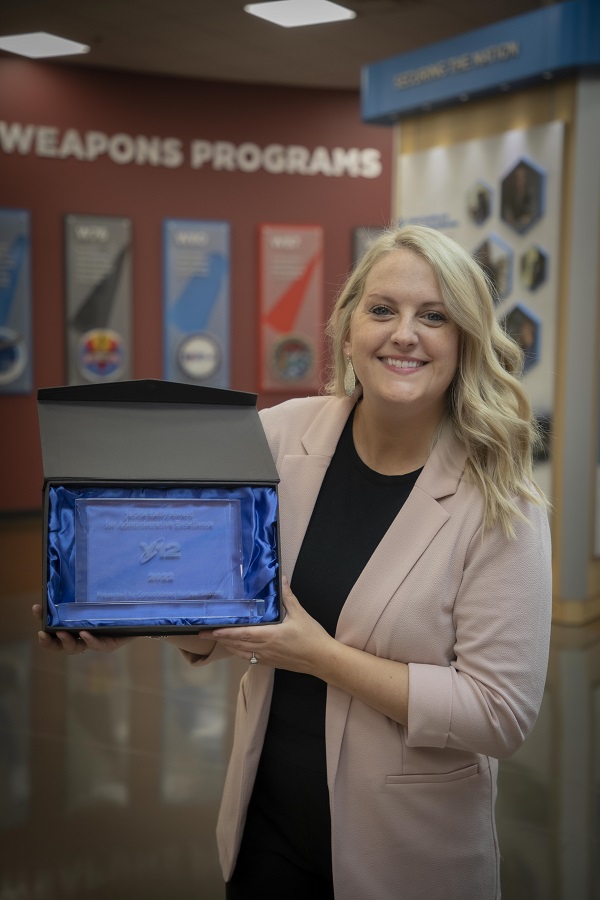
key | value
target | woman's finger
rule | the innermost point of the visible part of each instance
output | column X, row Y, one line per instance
column 48, row 642
column 71, row 643
column 290, row 601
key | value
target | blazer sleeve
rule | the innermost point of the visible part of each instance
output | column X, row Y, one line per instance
column 488, row 699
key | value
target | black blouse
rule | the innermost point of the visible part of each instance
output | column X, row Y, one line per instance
column 353, row 511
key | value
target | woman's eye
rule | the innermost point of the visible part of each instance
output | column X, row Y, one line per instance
column 435, row 317
column 381, row 310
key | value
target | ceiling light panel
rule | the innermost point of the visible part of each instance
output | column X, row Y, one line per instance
column 293, row 13
column 40, row 44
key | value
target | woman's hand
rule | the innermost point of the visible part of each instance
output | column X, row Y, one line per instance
column 298, row 644
column 73, row 644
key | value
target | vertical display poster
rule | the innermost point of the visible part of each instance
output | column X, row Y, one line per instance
column 16, row 376
column 291, row 306
column 98, row 298
column 500, row 197
column 196, row 305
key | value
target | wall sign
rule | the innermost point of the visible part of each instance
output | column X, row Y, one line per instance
column 557, row 38
column 196, row 302
column 51, row 142
column 291, row 306
column 98, row 298
column 16, row 375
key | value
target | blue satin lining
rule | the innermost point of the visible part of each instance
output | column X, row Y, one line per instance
column 259, row 507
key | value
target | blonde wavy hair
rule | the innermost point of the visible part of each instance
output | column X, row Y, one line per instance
column 487, row 406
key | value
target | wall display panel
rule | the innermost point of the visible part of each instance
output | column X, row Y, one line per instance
column 98, row 298
column 16, row 355
column 291, row 306
column 500, row 197
column 196, row 303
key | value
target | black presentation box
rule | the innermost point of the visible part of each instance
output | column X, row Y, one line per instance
column 160, row 509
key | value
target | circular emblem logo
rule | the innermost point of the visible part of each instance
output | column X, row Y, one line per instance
column 101, row 355
column 199, row 356
column 13, row 355
column 292, row 358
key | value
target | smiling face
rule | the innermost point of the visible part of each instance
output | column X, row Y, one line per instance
column 403, row 347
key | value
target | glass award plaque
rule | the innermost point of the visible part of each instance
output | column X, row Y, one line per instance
column 157, row 551
column 171, row 558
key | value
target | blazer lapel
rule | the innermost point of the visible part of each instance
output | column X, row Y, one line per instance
column 406, row 540
column 408, row 537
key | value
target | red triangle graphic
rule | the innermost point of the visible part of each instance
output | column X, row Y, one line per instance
column 282, row 316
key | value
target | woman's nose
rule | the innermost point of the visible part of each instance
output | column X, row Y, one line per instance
column 405, row 331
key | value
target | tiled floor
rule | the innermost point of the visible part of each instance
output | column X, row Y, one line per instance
column 111, row 769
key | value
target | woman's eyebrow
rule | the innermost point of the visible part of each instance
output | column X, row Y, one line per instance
column 382, row 296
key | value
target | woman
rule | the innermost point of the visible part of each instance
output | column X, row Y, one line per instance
column 414, row 648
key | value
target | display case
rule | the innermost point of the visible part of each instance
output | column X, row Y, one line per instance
column 160, row 509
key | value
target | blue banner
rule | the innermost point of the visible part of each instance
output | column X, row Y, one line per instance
column 16, row 371
column 196, row 302
column 556, row 39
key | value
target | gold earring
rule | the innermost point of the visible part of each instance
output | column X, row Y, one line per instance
column 349, row 378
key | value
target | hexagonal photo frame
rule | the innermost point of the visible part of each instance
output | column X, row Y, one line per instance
column 525, row 328
column 522, row 196
column 495, row 257
column 533, row 267
column 479, row 202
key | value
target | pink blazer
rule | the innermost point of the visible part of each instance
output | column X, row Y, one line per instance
column 469, row 611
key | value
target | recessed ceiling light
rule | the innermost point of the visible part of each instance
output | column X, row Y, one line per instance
column 40, row 44
column 292, row 13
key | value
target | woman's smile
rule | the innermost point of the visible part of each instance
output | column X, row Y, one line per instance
column 405, row 365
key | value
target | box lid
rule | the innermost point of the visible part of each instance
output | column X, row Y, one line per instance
column 151, row 430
